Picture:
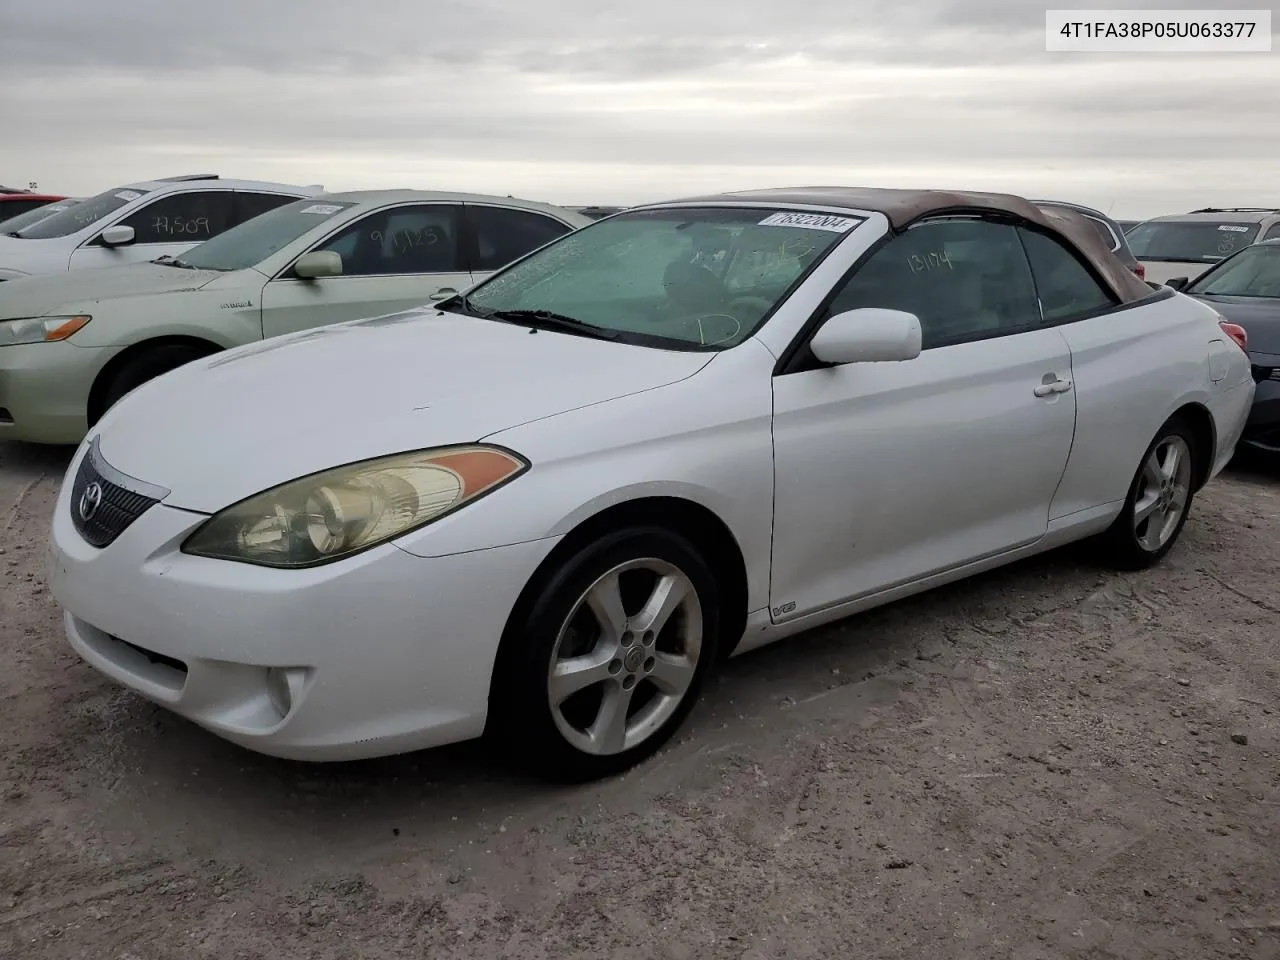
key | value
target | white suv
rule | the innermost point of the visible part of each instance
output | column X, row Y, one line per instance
column 138, row 222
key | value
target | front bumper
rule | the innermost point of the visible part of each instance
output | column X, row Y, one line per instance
column 382, row 653
column 44, row 390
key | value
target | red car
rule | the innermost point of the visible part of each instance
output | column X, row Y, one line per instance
column 20, row 201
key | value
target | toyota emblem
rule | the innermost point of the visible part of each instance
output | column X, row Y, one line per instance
column 90, row 500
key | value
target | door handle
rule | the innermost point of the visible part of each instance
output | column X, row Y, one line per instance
column 1056, row 386
column 444, row 293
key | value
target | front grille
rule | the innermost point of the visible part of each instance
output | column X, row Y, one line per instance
column 104, row 502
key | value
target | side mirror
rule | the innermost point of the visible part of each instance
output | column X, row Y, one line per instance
column 868, row 334
column 317, row 264
column 117, row 236
column 1178, row 283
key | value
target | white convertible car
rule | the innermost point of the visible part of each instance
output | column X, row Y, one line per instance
column 544, row 509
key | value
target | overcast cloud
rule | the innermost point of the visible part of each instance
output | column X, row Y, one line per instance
column 604, row 102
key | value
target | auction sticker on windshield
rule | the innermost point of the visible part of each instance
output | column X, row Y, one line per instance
column 322, row 209
column 811, row 221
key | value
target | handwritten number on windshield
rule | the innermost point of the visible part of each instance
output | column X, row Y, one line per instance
column 180, row 226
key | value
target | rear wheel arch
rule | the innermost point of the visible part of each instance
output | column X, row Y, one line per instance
column 1205, row 433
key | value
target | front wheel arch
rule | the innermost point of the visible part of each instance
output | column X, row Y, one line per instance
column 96, row 405
column 705, row 531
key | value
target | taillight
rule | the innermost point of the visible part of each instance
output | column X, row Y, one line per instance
column 1141, row 270
column 1236, row 333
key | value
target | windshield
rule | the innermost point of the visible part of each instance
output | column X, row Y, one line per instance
column 251, row 242
column 695, row 278
column 1254, row 272
column 1187, row 241
column 84, row 213
column 23, row 220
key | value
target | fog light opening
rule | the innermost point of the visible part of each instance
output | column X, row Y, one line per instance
column 281, row 689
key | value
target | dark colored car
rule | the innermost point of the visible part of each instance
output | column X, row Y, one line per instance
column 23, row 201
column 1245, row 289
column 1110, row 230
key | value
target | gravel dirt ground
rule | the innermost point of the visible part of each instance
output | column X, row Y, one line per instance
column 1049, row 761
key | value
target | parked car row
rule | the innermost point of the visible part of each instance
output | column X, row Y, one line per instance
column 15, row 202
column 544, row 507
column 74, row 343
column 139, row 222
column 1187, row 244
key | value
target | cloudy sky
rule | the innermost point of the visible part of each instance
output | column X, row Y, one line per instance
column 600, row 101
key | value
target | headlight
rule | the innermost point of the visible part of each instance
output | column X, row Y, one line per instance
column 334, row 514
column 39, row 329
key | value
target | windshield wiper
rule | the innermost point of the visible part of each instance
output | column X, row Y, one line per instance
column 169, row 260
column 549, row 320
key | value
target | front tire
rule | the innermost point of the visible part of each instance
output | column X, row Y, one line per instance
column 1158, row 503
column 608, row 659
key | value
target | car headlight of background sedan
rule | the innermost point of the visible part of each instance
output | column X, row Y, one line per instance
column 339, row 512
column 40, row 329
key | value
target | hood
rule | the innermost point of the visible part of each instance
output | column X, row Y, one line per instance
column 32, row 257
column 224, row 428
column 37, row 296
column 1162, row 271
column 1260, row 317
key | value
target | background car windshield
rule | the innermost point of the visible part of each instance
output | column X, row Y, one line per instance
column 702, row 277
column 251, row 242
column 83, row 214
column 24, row 220
column 1254, row 273
column 1202, row 241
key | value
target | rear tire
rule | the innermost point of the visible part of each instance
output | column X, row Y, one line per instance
column 624, row 630
column 139, row 369
column 1158, row 503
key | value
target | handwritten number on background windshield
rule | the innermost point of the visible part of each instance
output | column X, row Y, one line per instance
column 180, row 226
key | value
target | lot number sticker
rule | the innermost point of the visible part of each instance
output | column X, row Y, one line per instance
column 811, row 221
column 321, row 209
column 1233, row 228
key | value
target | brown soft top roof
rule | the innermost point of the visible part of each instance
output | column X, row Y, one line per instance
column 904, row 207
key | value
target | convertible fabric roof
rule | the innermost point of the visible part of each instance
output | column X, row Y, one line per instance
column 904, row 207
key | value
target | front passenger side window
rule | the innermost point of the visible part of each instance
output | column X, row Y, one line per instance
column 191, row 217
column 402, row 240
column 965, row 279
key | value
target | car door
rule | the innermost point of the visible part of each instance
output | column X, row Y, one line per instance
column 1122, row 368
column 501, row 234
column 890, row 472
column 166, row 226
column 392, row 259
